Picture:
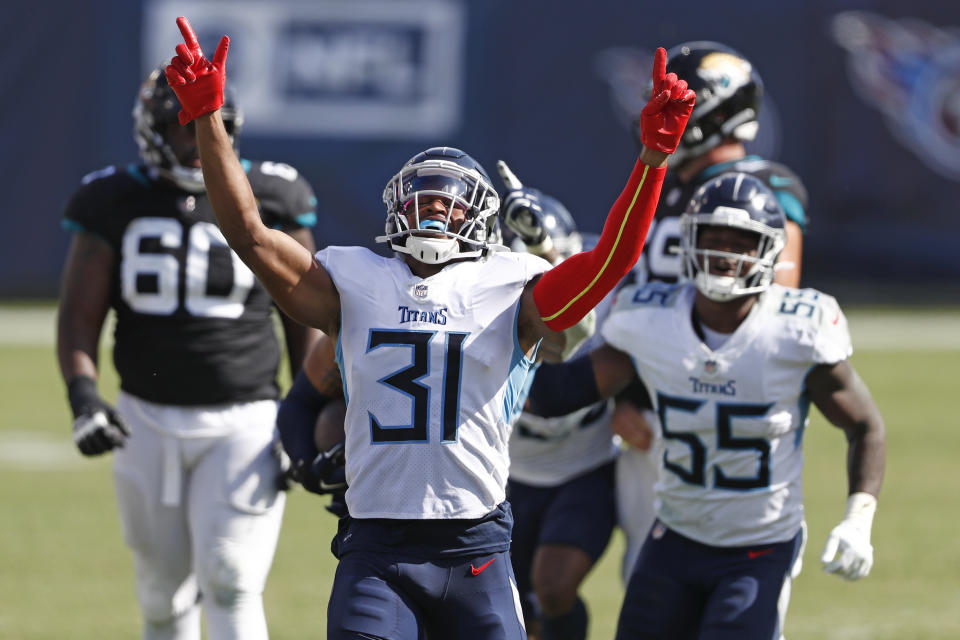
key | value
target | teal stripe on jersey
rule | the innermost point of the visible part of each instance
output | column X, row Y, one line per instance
column 134, row 172
column 520, row 367
column 793, row 208
column 339, row 358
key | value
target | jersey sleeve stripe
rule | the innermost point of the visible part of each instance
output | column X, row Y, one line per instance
column 613, row 249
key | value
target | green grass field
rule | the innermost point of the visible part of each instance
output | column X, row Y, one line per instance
column 65, row 573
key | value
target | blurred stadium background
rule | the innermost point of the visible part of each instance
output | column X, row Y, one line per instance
column 862, row 100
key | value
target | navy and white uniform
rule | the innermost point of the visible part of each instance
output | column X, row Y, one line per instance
column 197, row 355
column 661, row 262
column 729, row 498
column 432, row 372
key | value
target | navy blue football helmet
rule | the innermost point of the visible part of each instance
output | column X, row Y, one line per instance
column 154, row 110
column 555, row 219
column 737, row 201
column 729, row 92
column 457, row 179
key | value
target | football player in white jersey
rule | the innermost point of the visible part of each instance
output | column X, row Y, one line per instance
column 713, row 144
column 733, row 367
column 434, row 345
column 561, row 468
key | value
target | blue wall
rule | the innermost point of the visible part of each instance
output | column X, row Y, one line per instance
column 864, row 106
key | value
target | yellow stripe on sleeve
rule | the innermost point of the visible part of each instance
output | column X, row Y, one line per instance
column 616, row 243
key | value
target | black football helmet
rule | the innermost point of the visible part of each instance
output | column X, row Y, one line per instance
column 738, row 201
column 154, row 110
column 729, row 91
column 456, row 177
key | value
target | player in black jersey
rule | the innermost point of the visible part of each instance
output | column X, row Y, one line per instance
column 197, row 354
column 729, row 92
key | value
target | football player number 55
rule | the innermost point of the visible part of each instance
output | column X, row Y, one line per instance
column 150, row 273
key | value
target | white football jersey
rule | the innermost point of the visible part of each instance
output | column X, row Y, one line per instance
column 733, row 419
column 546, row 452
column 432, row 371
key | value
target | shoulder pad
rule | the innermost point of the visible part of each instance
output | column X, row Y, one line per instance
column 286, row 199
column 818, row 322
column 650, row 294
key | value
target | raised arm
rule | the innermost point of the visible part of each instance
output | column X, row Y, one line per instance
column 296, row 281
column 566, row 293
column 845, row 401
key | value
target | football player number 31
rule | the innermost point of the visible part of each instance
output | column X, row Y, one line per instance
column 150, row 274
column 407, row 381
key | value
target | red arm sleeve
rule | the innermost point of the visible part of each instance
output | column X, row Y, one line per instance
column 570, row 290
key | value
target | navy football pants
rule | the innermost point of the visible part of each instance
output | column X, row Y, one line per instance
column 681, row 589
column 376, row 595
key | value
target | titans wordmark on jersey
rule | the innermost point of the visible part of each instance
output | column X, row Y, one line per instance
column 193, row 323
column 733, row 419
column 432, row 371
column 660, row 260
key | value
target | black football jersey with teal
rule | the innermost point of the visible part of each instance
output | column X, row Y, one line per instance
column 661, row 253
column 194, row 325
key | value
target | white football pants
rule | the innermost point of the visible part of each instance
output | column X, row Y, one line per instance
column 198, row 501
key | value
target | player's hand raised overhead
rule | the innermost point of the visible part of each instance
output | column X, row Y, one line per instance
column 665, row 117
column 198, row 82
column 521, row 208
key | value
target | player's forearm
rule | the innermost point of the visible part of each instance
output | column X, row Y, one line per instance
column 866, row 456
column 84, row 303
column 77, row 339
column 297, row 416
column 567, row 292
column 229, row 191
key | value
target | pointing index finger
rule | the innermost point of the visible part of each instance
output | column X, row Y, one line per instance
column 188, row 35
column 509, row 178
column 659, row 67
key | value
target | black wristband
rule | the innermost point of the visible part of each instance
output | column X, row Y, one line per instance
column 82, row 393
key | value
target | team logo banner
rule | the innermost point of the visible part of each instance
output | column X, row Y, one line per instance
column 363, row 68
column 910, row 71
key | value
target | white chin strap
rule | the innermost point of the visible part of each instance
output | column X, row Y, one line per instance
column 717, row 288
column 432, row 250
column 187, row 178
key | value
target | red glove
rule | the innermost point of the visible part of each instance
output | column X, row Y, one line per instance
column 198, row 82
column 664, row 118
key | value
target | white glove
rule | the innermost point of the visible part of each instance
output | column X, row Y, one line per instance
column 848, row 552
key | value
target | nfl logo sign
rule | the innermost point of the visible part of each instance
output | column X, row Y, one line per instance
column 710, row 366
column 420, row 291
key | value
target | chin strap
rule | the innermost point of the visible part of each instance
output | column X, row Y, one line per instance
column 432, row 250
column 566, row 293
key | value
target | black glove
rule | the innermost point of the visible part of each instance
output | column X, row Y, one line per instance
column 520, row 208
column 96, row 426
column 325, row 475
